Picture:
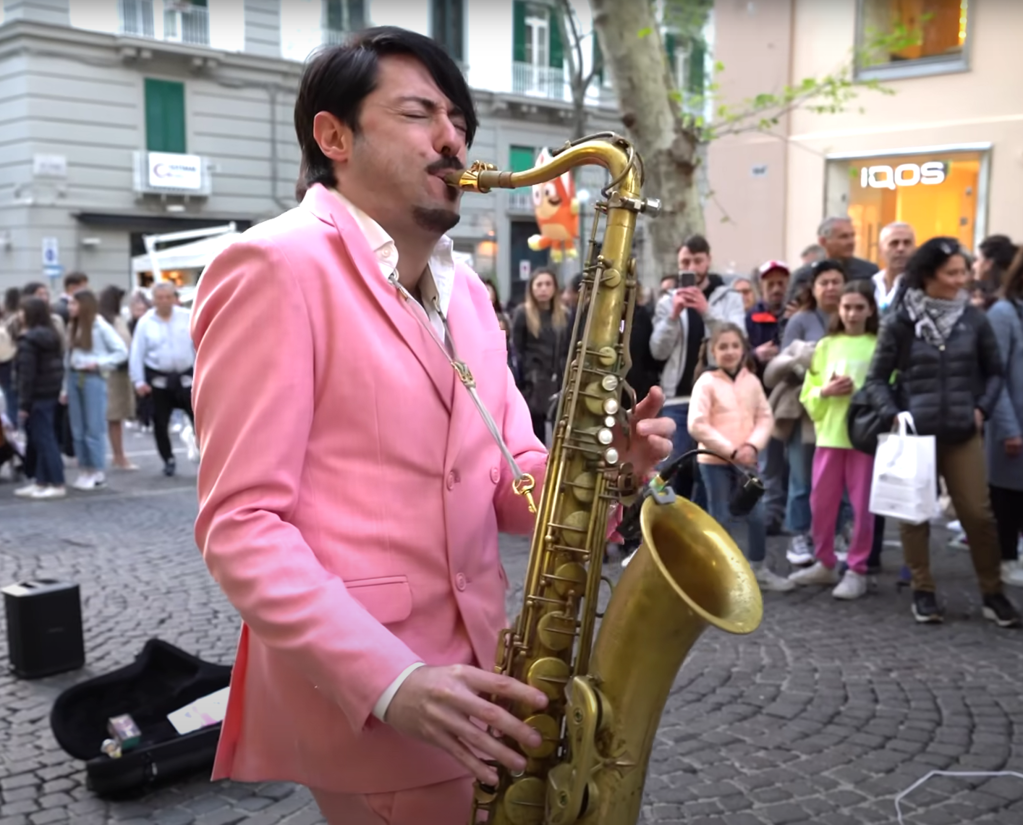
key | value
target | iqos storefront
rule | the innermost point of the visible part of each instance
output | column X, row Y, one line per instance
column 938, row 190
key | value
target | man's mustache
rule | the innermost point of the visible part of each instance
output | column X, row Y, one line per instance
column 447, row 162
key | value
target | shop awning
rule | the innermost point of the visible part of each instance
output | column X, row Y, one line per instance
column 194, row 255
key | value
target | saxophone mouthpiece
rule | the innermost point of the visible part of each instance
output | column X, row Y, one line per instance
column 454, row 178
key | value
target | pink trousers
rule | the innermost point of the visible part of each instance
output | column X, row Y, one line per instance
column 835, row 471
column 439, row 804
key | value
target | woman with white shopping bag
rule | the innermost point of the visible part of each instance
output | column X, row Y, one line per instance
column 951, row 382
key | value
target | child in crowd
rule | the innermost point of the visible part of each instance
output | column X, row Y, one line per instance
column 839, row 368
column 729, row 413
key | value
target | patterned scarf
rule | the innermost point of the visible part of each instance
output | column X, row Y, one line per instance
column 934, row 318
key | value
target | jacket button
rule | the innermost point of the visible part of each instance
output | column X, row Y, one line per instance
column 451, row 481
column 460, row 581
column 495, row 475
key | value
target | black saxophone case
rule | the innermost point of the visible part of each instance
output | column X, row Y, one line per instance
column 162, row 679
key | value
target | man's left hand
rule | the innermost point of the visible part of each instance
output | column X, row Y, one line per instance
column 650, row 437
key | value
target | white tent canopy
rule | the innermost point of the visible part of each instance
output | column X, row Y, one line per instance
column 194, row 255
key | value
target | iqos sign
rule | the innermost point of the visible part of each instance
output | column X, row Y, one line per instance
column 906, row 174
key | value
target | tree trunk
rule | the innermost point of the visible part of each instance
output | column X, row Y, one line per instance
column 652, row 119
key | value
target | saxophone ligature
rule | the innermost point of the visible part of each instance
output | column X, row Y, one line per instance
column 606, row 676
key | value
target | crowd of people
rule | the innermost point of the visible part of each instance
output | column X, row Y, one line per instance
column 76, row 370
column 762, row 369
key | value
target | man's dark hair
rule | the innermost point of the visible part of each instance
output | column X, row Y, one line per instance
column 339, row 78
column 73, row 279
column 32, row 287
column 696, row 244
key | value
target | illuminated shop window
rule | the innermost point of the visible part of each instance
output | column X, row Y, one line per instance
column 937, row 193
column 936, row 30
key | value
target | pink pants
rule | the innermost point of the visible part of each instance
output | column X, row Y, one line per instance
column 835, row 471
column 442, row 803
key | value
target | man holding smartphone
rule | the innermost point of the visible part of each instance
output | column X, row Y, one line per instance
column 683, row 319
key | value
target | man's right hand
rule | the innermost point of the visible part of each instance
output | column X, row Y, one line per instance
column 437, row 705
column 143, row 389
column 678, row 303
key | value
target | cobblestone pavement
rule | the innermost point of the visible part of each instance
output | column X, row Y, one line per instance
column 821, row 716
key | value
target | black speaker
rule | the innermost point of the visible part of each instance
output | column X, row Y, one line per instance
column 44, row 627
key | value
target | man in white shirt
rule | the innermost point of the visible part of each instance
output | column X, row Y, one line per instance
column 897, row 243
column 161, row 362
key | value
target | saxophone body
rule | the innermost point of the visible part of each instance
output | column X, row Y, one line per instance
column 606, row 677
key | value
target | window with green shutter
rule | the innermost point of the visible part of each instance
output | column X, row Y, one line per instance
column 696, row 70
column 598, row 59
column 519, row 31
column 165, row 116
column 557, row 48
column 447, row 23
column 520, row 159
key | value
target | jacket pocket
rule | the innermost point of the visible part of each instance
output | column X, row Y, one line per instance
column 388, row 599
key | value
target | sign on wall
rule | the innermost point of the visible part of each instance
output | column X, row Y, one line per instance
column 905, row 174
column 172, row 171
column 51, row 252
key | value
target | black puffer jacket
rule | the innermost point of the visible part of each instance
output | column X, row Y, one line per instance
column 39, row 366
column 940, row 387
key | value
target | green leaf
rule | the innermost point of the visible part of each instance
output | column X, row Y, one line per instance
column 645, row 32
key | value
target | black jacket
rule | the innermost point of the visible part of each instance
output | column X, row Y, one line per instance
column 39, row 366
column 940, row 387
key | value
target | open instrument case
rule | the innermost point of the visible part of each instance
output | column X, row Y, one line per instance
column 161, row 680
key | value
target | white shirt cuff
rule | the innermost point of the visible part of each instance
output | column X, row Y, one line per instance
column 384, row 702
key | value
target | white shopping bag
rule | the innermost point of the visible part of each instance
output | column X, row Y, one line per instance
column 905, row 484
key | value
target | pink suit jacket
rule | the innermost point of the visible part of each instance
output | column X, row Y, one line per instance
column 350, row 496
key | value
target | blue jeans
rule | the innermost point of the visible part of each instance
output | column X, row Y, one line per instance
column 798, row 515
column 42, row 435
column 692, row 486
column 87, row 407
column 720, row 482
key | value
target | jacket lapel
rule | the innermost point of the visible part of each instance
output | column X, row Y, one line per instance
column 402, row 316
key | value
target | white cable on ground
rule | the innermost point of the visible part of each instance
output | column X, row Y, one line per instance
column 977, row 774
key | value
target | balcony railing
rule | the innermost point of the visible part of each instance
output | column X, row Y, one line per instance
column 539, row 81
column 520, row 201
column 182, row 22
column 334, row 37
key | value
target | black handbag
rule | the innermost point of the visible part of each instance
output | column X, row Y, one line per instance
column 864, row 423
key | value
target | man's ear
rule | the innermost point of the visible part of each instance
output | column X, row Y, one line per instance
column 333, row 137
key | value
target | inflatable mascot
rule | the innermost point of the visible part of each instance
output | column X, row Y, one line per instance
column 557, row 214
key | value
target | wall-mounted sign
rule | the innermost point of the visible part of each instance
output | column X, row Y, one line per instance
column 170, row 171
column 906, row 174
column 759, row 170
column 49, row 166
column 51, row 252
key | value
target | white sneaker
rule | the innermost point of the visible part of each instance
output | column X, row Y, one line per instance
column 27, row 491
column 769, row 580
column 84, row 481
column 1012, row 573
column 800, row 551
column 954, row 526
column 817, row 574
column 852, row 586
column 49, row 492
column 841, row 548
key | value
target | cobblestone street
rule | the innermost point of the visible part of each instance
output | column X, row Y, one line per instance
column 822, row 716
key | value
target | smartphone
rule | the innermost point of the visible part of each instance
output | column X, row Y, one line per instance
column 686, row 279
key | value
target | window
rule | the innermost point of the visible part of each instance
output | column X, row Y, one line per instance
column 448, row 21
column 687, row 58
column 934, row 34
column 537, row 50
column 165, row 116
column 937, row 191
column 344, row 15
column 521, row 158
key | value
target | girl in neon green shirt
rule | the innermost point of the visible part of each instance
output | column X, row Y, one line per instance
column 840, row 363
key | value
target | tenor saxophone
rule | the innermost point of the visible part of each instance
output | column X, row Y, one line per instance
column 606, row 685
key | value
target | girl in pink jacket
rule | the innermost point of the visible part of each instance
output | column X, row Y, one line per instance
column 729, row 413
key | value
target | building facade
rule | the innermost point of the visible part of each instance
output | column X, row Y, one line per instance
column 943, row 152
column 127, row 118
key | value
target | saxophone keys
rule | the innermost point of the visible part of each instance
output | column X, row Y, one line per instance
column 569, row 579
column 611, row 406
column 607, row 356
column 525, row 801
column 611, row 278
column 609, row 382
column 547, row 727
column 556, row 631
column 548, row 675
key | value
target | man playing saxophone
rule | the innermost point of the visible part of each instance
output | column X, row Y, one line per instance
column 350, row 491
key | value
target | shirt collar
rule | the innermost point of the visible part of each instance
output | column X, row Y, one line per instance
column 442, row 262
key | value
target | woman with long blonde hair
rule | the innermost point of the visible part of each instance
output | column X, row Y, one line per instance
column 540, row 334
column 94, row 349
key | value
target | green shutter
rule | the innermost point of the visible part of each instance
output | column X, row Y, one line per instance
column 598, row 58
column 696, row 74
column 519, row 31
column 335, row 16
column 669, row 53
column 522, row 158
column 557, row 50
column 165, row 116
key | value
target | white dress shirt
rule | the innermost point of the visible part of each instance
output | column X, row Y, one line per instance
column 164, row 346
column 439, row 282
column 882, row 294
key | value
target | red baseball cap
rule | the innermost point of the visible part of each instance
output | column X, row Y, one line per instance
column 767, row 267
